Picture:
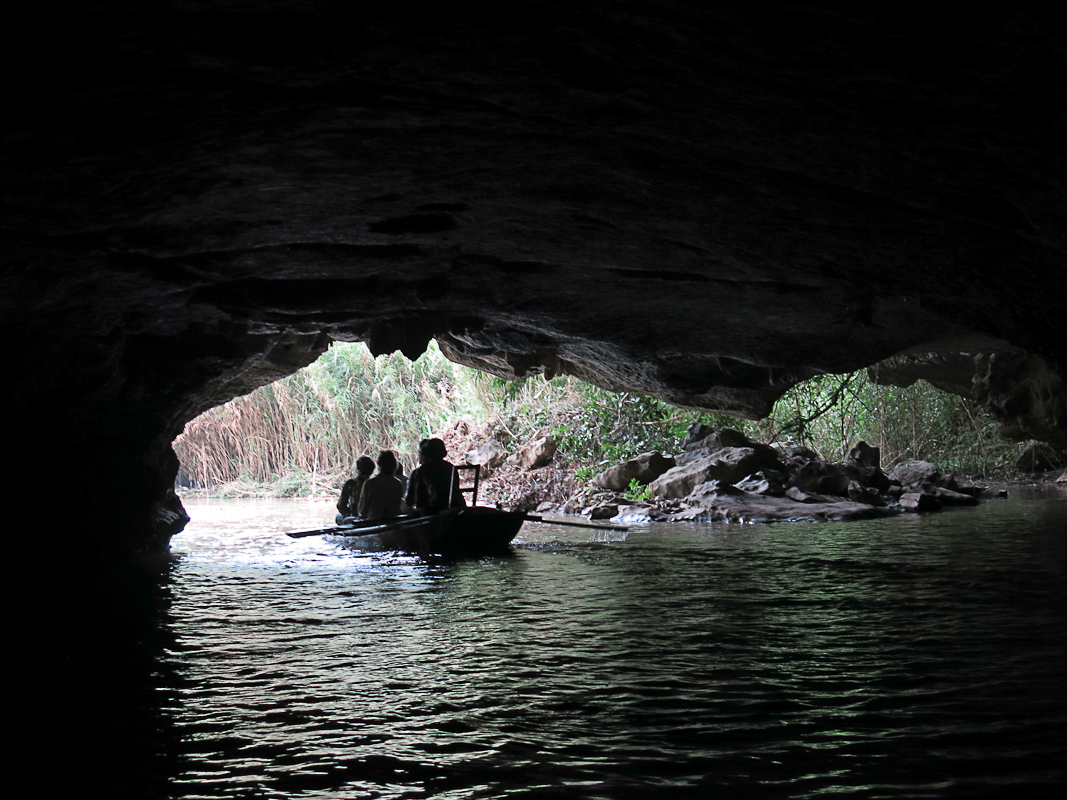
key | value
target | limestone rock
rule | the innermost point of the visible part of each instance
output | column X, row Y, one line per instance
column 919, row 501
column 489, row 453
column 916, row 474
column 644, row 469
column 865, row 456
column 714, row 502
column 766, row 482
column 793, row 493
column 637, row 514
column 695, row 433
column 714, row 438
column 1025, row 393
column 601, row 511
column 913, row 473
column 795, row 455
column 863, row 463
column 822, row 478
column 858, row 493
column 535, row 454
column 728, row 465
column 948, row 497
column 721, row 438
column 1039, row 457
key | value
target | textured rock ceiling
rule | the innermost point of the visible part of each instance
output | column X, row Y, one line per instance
column 702, row 204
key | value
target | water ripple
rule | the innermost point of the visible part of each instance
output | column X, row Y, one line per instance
column 911, row 657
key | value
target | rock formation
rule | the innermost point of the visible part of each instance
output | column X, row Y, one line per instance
column 644, row 469
column 703, row 204
column 724, row 486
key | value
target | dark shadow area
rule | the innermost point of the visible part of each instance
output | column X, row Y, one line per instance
column 102, row 694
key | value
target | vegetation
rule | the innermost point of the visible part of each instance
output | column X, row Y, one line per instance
column 301, row 435
column 830, row 413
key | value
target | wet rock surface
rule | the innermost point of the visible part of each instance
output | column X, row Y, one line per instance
column 534, row 454
column 644, row 469
column 728, row 464
column 194, row 211
column 801, row 489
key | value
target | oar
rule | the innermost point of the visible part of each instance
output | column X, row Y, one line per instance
column 576, row 524
column 320, row 531
column 352, row 528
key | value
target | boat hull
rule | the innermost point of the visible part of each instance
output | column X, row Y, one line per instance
column 463, row 531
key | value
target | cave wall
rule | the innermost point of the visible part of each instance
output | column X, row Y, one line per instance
column 703, row 204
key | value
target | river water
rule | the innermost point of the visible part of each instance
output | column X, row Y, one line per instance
column 914, row 657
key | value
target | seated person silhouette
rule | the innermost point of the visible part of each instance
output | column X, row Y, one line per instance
column 348, row 505
column 382, row 494
column 434, row 486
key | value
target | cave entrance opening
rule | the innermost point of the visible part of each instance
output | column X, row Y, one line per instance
column 300, row 436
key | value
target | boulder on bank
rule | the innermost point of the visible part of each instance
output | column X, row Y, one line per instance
column 793, row 455
column 919, row 501
column 712, row 501
column 535, row 454
column 916, row 473
column 489, row 453
column 793, row 493
column 864, row 462
column 948, row 497
column 644, row 469
column 1039, row 457
column 703, row 437
column 722, row 438
column 821, row 477
column 768, row 482
column 756, row 482
column 865, row 456
column 601, row 511
column 858, row 493
column 728, row 465
column 696, row 432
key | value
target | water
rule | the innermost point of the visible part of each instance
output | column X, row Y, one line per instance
column 908, row 657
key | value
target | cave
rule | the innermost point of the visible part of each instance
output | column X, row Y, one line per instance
column 707, row 205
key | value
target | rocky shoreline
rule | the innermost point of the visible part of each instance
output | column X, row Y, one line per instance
column 721, row 475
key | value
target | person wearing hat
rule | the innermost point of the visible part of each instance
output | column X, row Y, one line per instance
column 434, row 485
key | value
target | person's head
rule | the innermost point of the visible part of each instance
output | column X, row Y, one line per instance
column 365, row 466
column 387, row 462
column 432, row 449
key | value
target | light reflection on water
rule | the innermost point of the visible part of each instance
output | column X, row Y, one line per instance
column 909, row 657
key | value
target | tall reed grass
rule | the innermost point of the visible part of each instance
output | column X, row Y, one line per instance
column 304, row 432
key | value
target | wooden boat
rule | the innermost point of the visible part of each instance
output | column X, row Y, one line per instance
column 458, row 531
column 473, row 530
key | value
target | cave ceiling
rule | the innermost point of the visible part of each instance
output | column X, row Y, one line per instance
column 707, row 205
